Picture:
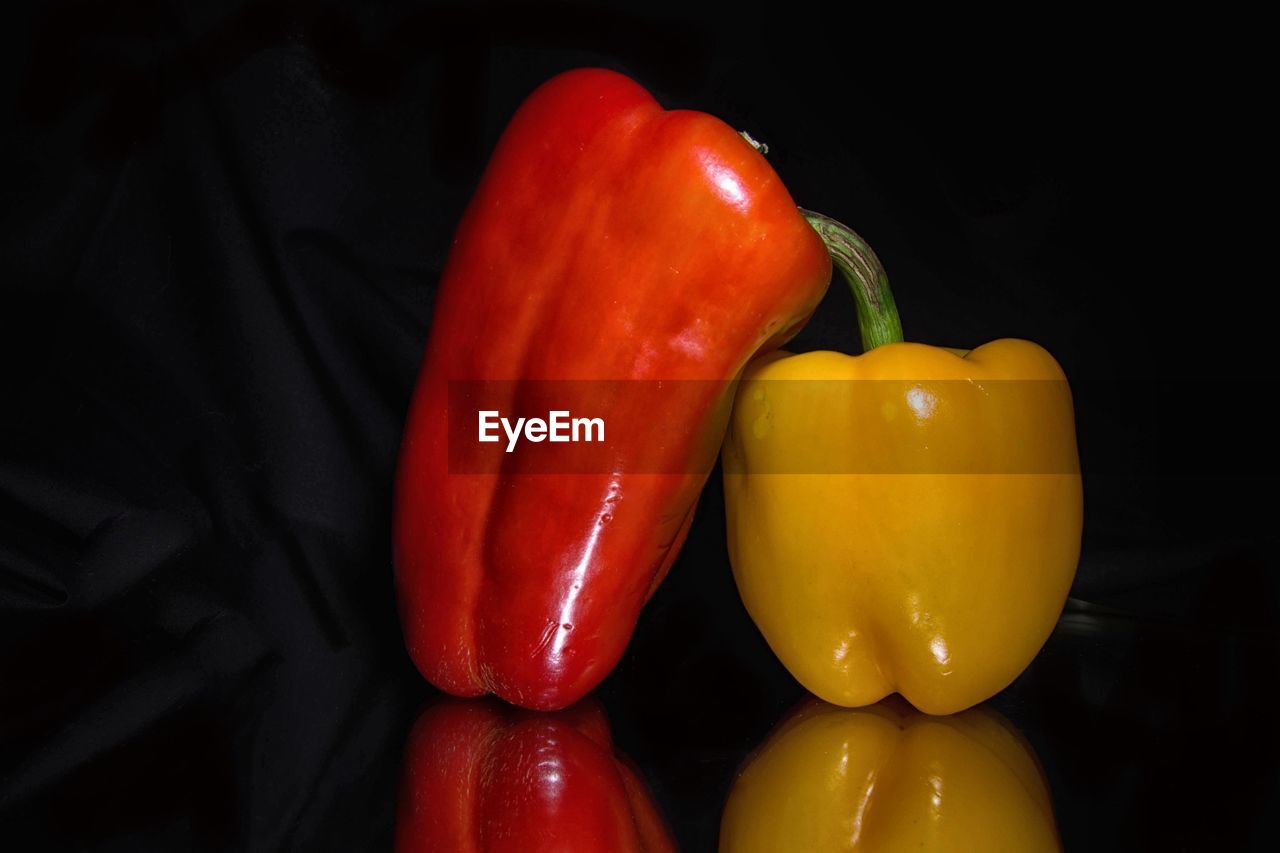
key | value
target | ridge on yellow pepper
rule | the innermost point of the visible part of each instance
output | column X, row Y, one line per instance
column 887, row 778
column 907, row 520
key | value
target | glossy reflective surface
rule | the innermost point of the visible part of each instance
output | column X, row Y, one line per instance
column 889, row 778
column 484, row 776
column 1137, row 708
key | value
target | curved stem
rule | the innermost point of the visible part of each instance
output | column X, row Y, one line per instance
column 878, row 320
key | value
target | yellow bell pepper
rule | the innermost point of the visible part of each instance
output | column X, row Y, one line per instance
column 908, row 519
column 885, row 778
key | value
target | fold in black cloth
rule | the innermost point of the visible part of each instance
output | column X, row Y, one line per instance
column 212, row 321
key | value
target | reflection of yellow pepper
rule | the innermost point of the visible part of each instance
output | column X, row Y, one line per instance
column 885, row 778
column 905, row 520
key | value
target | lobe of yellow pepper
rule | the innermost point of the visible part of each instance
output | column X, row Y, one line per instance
column 907, row 520
column 885, row 778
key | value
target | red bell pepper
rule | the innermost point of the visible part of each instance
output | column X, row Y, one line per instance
column 608, row 240
column 484, row 777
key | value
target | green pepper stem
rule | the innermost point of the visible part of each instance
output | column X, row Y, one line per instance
column 878, row 321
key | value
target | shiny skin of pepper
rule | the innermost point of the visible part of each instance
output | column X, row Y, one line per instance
column 482, row 777
column 905, row 520
column 608, row 239
column 887, row 778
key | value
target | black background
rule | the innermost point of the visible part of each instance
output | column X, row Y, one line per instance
column 222, row 232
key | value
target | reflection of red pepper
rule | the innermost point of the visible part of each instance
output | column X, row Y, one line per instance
column 484, row 777
column 608, row 240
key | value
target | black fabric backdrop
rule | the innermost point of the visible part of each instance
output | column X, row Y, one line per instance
column 222, row 232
